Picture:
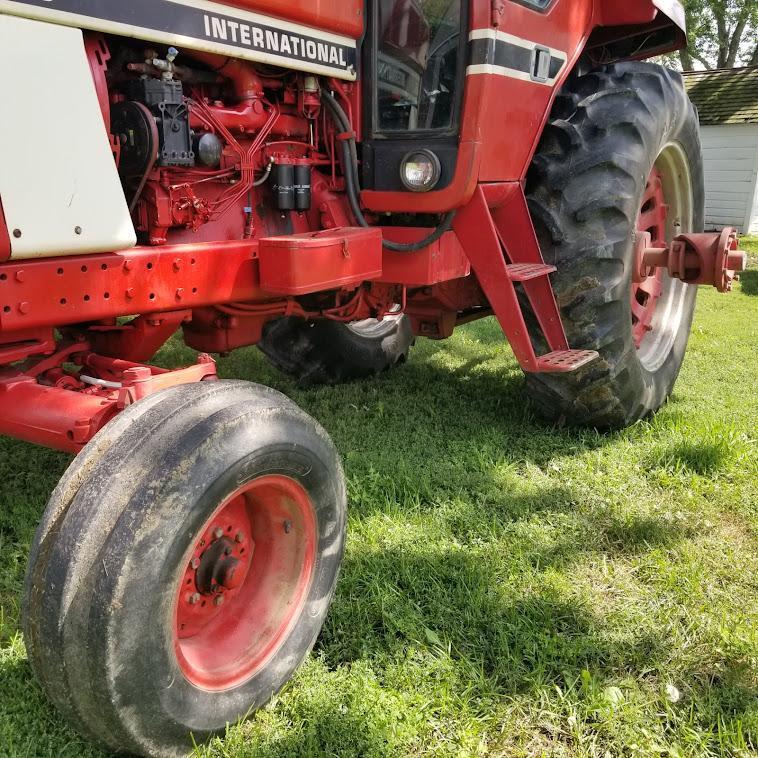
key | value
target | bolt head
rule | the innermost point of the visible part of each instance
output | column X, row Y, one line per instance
column 195, row 564
column 218, row 533
column 239, row 537
column 228, row 551
column 219, row 600
column 194, row 599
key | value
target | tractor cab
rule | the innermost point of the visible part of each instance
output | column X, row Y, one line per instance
column 414, row 59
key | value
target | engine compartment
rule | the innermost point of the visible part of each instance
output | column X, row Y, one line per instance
column 214, row 149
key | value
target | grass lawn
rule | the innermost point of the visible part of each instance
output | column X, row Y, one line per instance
column 508, row 588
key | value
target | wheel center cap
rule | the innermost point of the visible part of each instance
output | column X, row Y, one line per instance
column 219, row 569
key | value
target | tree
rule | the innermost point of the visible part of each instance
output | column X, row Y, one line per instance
column 720, row 34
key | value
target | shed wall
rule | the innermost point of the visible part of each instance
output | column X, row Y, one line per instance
column 730, row 154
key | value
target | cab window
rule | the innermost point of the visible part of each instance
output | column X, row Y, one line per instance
column 418, row 64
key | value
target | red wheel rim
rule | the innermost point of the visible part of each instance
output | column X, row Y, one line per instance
column 646, row 295
column 245, row 582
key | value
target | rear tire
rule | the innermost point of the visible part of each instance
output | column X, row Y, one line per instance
column 610, row 131
column 329, row 352
column 125, row 632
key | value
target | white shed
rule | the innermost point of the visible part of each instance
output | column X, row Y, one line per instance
column 727, row 101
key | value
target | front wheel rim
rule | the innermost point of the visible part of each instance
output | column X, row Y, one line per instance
column 659, row 303
column 245, row 583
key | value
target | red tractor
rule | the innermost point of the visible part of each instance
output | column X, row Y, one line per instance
column 327, row 181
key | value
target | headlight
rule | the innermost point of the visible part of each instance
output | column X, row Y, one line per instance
column 420, row 171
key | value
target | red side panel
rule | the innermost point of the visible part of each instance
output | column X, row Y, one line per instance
column 442, row 261
column 515, row 111
column 340, row 16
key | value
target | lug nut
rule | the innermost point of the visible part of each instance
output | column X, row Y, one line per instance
column 228, row 551
column 239, row 537
column 194, row 599
column 195, row 564
column 219, row 600
column 218, row 533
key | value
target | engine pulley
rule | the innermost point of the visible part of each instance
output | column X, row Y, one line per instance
column 133, row 125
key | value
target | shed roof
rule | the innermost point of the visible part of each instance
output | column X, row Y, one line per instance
column 724, row 96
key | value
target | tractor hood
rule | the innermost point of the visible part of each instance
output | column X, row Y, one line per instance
column 234, row 31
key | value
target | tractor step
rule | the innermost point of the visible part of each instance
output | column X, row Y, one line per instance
column 503, row 249
column 565, row 361
column 523, row 272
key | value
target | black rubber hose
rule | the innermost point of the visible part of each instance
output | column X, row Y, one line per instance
column 352, row 184
column 343, row 122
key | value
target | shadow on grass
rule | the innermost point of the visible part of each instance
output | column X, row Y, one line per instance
column 391, row 600
column 749, row 281
column 702, row 458
column 727, row 700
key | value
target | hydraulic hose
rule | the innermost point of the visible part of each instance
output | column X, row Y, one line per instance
column 352, row 183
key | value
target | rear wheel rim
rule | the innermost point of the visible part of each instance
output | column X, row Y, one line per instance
column 372, row 328
column 245, row 583
column 658, row 304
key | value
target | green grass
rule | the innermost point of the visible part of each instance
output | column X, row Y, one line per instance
column 750, row 277
column 508, row 588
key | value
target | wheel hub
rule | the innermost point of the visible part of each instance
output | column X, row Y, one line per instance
column 220, row 562
column 651, row 221
column 219, row 569
column 694, row 258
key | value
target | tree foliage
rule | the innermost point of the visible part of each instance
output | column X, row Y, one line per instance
column 721, row 34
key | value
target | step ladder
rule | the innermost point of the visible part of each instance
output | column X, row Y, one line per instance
column 497, row 234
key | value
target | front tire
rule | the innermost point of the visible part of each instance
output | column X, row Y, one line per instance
column 613, row 134
column 189, row 568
